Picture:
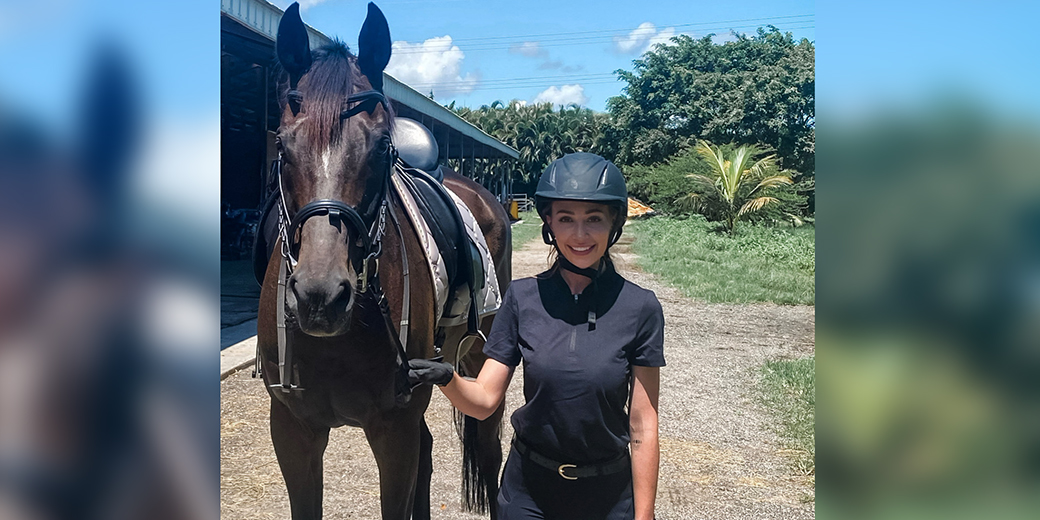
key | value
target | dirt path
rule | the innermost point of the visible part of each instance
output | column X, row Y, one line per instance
column 719, row 458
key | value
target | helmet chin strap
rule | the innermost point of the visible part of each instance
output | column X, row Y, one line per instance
column 589, row 272
column 590, row 291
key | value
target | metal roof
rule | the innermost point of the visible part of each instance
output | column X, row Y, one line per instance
column 263, row 17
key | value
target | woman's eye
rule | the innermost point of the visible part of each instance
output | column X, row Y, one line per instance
column 595, row 219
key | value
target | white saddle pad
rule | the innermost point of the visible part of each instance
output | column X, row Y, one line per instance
column 488, row 299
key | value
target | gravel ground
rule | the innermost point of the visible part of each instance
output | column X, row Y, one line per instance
column 719, row 457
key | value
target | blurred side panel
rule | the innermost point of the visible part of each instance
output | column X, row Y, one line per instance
column 928, row 210
column 109, row 207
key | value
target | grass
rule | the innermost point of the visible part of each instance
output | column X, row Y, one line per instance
column 756, row 264
column 788, row 391
column 526, row 229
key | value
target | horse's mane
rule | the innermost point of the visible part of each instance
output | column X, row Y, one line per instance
column 325, row 87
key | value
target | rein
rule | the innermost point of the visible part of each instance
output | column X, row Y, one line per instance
column 369, row 241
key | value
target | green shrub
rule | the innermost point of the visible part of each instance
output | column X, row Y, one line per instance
column 661, row 186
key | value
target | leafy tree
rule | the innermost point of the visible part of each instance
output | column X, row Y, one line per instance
column 759, row 89
column 540, row 132
column 739, row 185
column 662, row 186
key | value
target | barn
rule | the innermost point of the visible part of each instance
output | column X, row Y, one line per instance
column 250, row 114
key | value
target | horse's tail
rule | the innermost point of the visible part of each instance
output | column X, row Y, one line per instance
column 475, row 492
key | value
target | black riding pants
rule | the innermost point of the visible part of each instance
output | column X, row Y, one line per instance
column 530, row 491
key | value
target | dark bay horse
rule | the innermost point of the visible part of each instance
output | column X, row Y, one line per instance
column 336, row 153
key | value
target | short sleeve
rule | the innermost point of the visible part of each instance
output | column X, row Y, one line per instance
column 648, row 346
column 503, row 343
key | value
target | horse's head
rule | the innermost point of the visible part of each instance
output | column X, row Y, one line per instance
column 334, row 143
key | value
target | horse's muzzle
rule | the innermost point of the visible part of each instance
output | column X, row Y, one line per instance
column 322, row 304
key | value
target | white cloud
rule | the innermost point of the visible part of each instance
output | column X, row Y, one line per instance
column 434, row 64
column 662, row 37
column 564, row 95
column 642, row 38
column 719, row 39
column 529, row 49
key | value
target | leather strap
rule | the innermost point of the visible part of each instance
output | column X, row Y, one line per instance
column 592, row 274
column 572, row 471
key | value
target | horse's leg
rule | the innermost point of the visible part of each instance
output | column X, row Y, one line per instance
column 394, row 438
column 421, row 509
column 299, row 448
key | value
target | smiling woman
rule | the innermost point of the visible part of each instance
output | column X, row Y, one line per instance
column 586, row 443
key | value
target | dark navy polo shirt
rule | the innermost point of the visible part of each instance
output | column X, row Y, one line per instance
column 576, row 381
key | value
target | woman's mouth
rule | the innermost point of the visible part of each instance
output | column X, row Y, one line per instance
column 581, row 250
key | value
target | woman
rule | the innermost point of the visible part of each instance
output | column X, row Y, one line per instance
column 586, row 443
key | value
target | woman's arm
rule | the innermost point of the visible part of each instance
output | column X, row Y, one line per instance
column 479, row 398
column 646, row 451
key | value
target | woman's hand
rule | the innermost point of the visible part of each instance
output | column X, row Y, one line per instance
column 429, row 372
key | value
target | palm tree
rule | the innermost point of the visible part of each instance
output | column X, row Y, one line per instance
column 539, row 132
column 728, row 193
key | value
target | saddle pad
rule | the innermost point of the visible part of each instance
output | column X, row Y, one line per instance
column 441, row 215
column 488, row 297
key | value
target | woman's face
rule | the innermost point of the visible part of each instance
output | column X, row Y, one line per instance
column 582, row 230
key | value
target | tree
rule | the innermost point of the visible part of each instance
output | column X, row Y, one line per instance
column 758, row 89
column 727, row 194
column 540, row 132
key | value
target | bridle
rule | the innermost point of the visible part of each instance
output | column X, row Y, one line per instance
column 369, row 234
column 369, row 227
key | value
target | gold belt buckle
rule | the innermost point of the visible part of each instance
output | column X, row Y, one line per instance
column 562, row 467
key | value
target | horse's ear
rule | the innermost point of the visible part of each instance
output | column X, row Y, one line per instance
column 374, row 46
column 294, row 48
column 109, row 121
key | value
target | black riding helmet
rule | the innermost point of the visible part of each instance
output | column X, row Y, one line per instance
column 585, row 177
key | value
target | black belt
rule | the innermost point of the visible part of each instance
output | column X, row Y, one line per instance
column 572, row 471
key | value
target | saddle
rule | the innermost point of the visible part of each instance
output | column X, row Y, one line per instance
column 422, row 178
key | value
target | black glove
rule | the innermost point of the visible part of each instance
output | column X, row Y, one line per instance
column 429, row 372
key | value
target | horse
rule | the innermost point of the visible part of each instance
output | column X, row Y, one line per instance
column 355, row 261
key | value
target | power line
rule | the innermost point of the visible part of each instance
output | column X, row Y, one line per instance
column 630, row 29
column 566, row 42
column 516, row 81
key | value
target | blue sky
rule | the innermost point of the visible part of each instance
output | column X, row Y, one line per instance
column 539, row 50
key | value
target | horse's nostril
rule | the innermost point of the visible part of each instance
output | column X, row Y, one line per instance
column 341, row 292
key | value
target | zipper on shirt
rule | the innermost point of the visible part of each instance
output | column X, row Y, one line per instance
column 574, row 330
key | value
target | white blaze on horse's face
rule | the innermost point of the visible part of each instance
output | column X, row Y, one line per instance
column 325, row 162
